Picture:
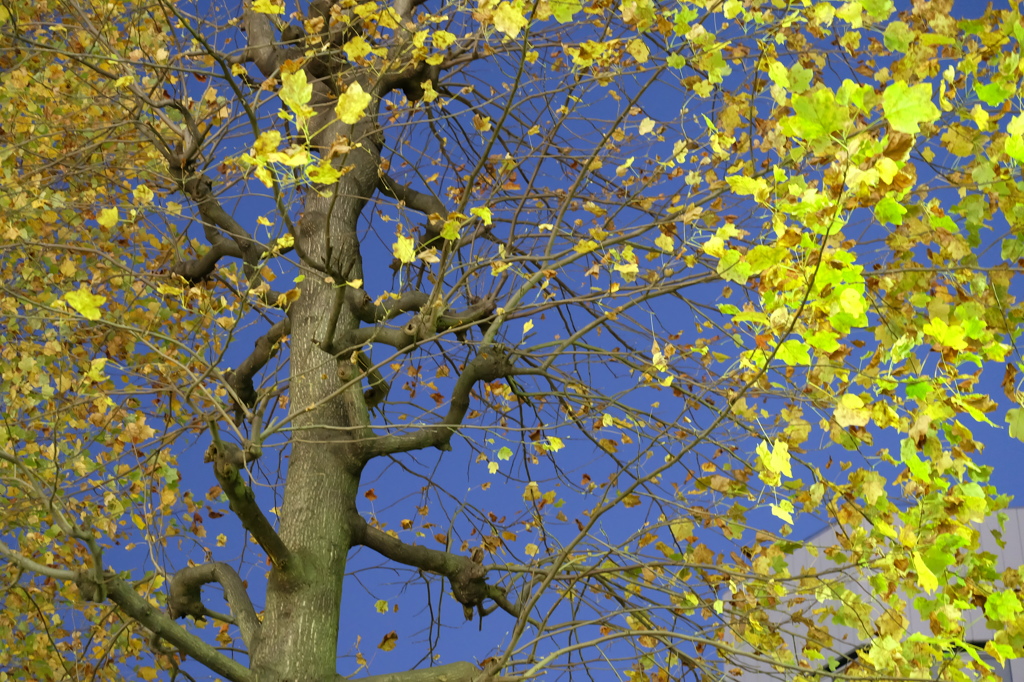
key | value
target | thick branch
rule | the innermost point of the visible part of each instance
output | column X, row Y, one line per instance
column 185, row 598
column 219, row 224
column 260, row 47
column 200, row 268
column 366, row 310
column 161, row 625
column 26, row 564
column 227, row 460
column 488, row 365
column 418, row 328
column 461, row 671
column 241, row 380
column 467, row 577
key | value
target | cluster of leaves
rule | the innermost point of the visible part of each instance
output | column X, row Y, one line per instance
column 695, row 313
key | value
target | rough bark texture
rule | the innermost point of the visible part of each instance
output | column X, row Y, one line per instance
column 300, row 626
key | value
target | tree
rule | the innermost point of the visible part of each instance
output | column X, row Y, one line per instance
column 664, row 279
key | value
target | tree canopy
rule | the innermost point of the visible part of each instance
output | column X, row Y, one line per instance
column 562, row 313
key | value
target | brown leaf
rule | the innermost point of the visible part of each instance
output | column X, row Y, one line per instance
column 389, row 641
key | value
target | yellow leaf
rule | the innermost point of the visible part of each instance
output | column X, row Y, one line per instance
column 527, row 326
column 296, row 92
column 532, row 492
column 483, row 213
column 352, row 104
column 851, row 411
column 852, row 301
column 776, row 462
column 323, row 173
column 85, row 303
column 108, row 217
column 492, row 467
column 681, row 529
column 404, row 249
column 638, row 49
column 381, row 606
column 429, row 93
column 442, row 40
column 783, row 510
column 508, row 19
column 926, row 580
column 267, row 7
column 95, row 372
column 646, row 126
column 531, row 549
column 143, row 195
column 267, row 142
column 292, row 157
column 357, row 48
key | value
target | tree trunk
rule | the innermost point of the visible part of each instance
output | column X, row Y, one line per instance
column 299, row 637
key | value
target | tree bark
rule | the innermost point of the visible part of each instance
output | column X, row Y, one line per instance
column 299, row 637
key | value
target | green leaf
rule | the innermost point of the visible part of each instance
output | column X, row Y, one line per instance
column 898, row 36
column 918, row 467
column 731, row 267
column 817, row 115
column 888, row 210
column 1015, row 418
column 762, row 257
column 1002, row 607
column 906, row 106
column 794, row 352
column 995, row 93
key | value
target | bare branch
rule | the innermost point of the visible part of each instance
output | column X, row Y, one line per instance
column 419, row 328
column 227, row 461
column 461, row 671
column 488, row 365
column 200, row 268
column 241, row 380
column 185, row 597
column 218, row 224
column 366, row 310
column 466, row 575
